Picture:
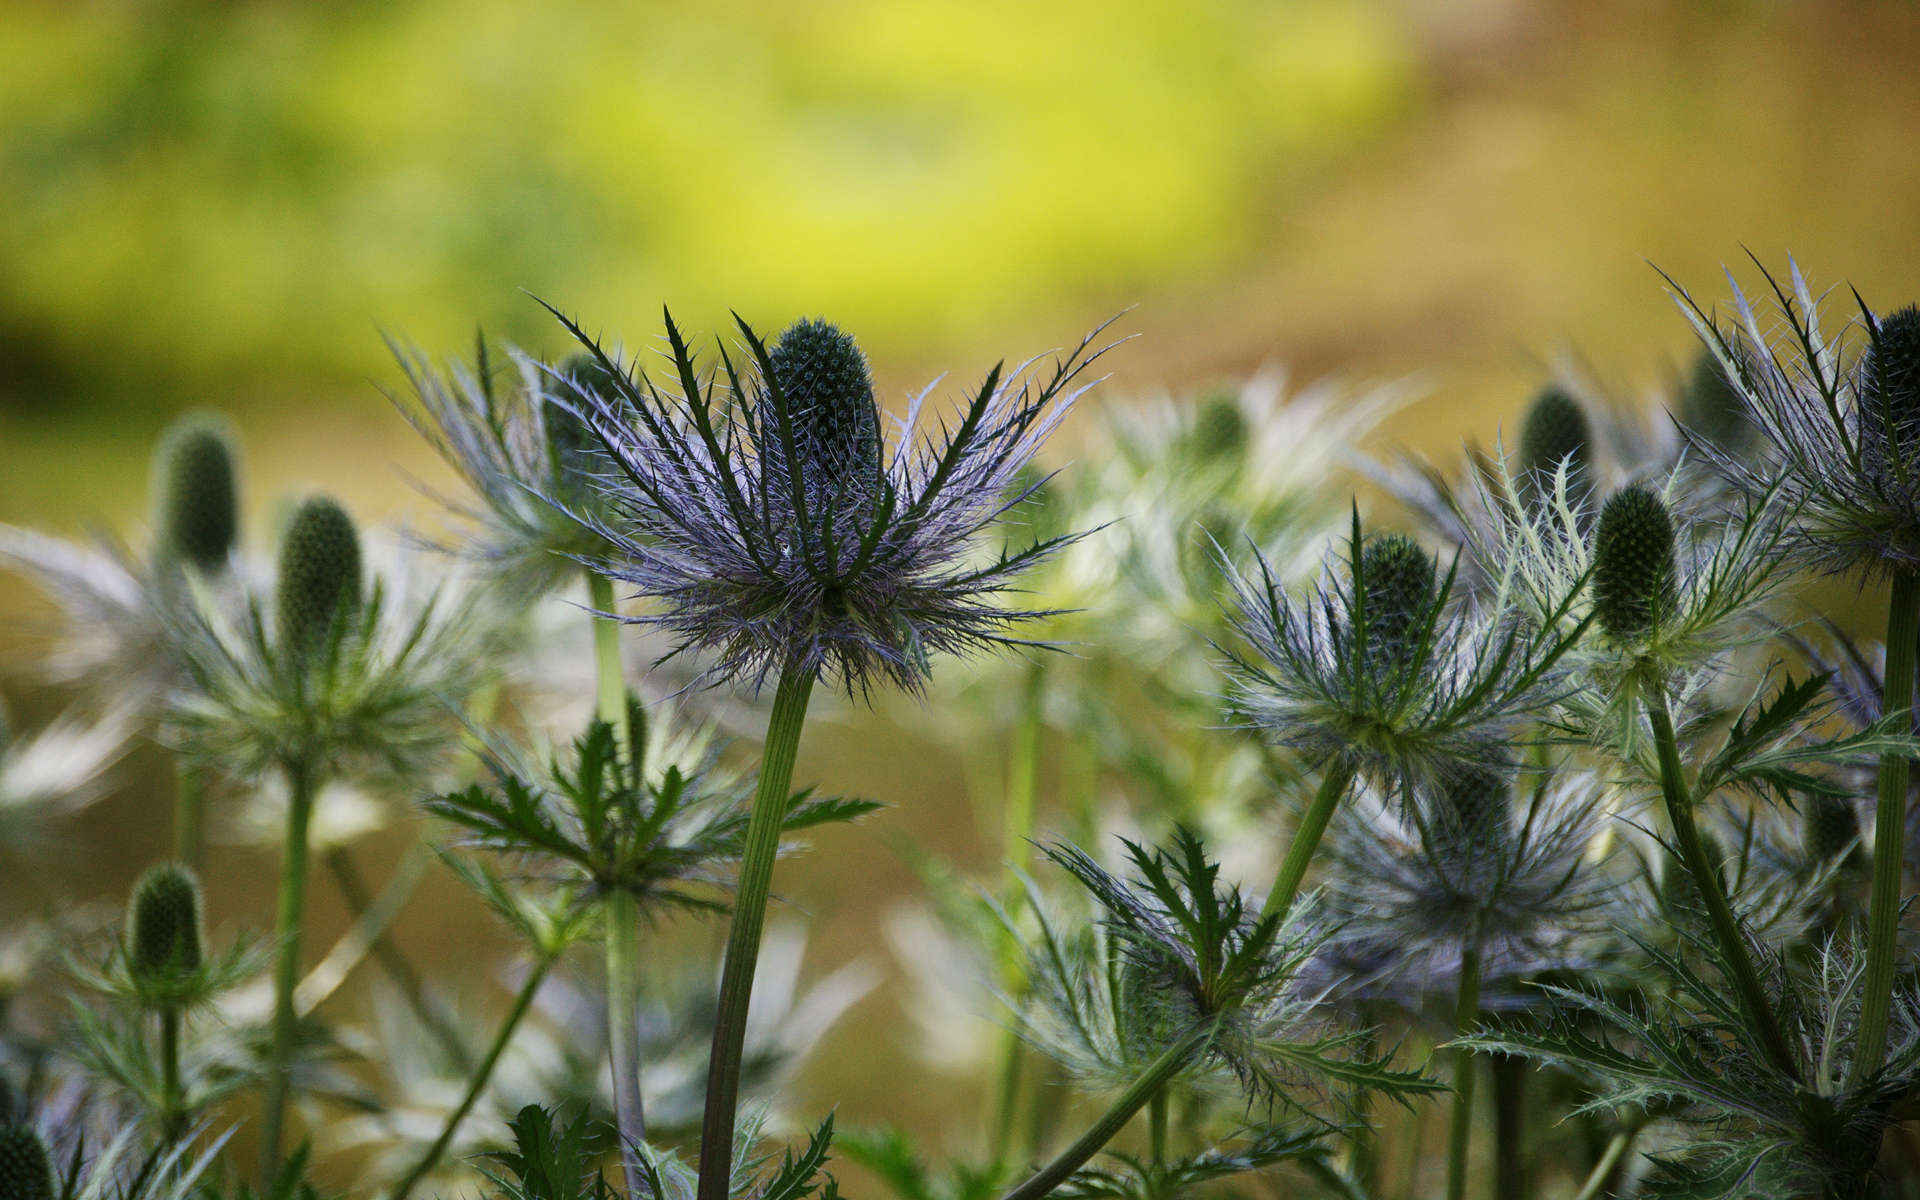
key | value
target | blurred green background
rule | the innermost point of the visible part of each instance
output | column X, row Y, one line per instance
column 225, row 204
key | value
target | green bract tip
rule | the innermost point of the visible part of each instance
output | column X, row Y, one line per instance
column 26, row 1173
column 1219, row 428
column 1710, row 405
column 1399, row 588
column 319, row 574
column 163, row 924
column 1633, row 562
column 1555, row 431
column 829, row 395
column 1890, row 385
column 196, row 506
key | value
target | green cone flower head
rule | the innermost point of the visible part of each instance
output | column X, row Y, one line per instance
column 319, row 583
column 1219, row 431
column 26, row 1173
column 163, row 925
column 1889, row 376
column 1400, row 587
column 1829, row 827
column 1710, row 404
column 570, row 440
column 1471, row 808
column 1556, row 430
column 829, row 399
column 1633, row 563
column 196, row 502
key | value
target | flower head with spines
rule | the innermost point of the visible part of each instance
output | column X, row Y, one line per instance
column 780, row 531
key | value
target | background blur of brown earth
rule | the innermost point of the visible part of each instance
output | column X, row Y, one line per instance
column 1485, row 190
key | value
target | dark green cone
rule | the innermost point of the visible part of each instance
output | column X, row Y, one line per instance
column 1633, row 563
column 1400, row 586
column 572, row 444
column 1889, row 384
column 1710, row 405
column 1555, row 431
column 1829, row 827
column 1472, row 807
column 319, row 575
column 196, row 504
column 163, row 924
column 26, row 1173
column 1219, row 431
column 829, row 396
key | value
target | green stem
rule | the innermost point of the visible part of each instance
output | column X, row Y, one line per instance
column 173, row 1102
column 481, row 1075
column 1509, row 1076
column 1363, row 1143
column 769, row 813
column 286, row 975
column 1706, row 881
column 1460, row 1131
column 611, row 696
column 623, row 1030
column 1603, row 1171
column 1022, row 792
column 1157, row 1126
column 189, row 802
column 360, row 902
column 1306, row 839
column 1162, row 1069
column 1889, row 832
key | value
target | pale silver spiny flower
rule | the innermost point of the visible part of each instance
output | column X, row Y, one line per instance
column 1383, row 667
column 783, row 527
column 512, row 444
column 1835, row 429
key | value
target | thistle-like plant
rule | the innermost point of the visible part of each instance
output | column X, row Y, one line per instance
column 1381, row 669
column 785, row 534
column 1199, row 981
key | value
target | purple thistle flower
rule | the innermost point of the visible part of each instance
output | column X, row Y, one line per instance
column 784, row 530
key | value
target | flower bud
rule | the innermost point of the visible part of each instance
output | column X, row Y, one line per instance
column 1711, row 406
column 1633, row 563
column 163, row 924
column 319, row 575
column 572, row 445
column 1829, row 827
column 1398, row 586
column 1889, row 391
column 829, row 400
column 1219, row 431
column 196, row 507
column 1555, row 431
column 26, row 1173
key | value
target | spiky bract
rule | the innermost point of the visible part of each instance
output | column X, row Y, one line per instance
column 319, row 587
column 26, row 1171
column 196, row 500
column 1633, row 563
column 164, row 935
column 859, row 575
column 1465, row 675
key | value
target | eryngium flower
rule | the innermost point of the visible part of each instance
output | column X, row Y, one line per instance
column 1633, row 563
column 1555, row 434
column 26, row 1172
column 783, row 532
column 319, row 585
column 1835, row 433
column 512, row 443
column 163, row 924
column 1396, row 675
column 196, row 504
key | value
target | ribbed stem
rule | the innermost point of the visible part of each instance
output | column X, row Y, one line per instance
column 1157, row 1126
column 743, row 939
column 1509, row 1076
column 173, row 1099
column 189, row 814
column 1162, row 1069
column 1306, row 839
column 481, row 1075
column 1706, row 881
column 360, row 901
column 286, row 973
column 1889, row 833
column 1466, row 1012
column 611, row 693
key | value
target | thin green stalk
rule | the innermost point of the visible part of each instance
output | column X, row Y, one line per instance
column 1889, row 833
column 1460, row 1131
column 1162, row 1069
column 1603, row 1171
column 286, row 974
column 189, row 815
column 1363, row 1143
column 481, row 1075
column 1706, row 881
column 360, row 901
column 1509, row 1076
column 743, row 939
column 621, row 911
column 1157, row 1126
column 173, row 1100
column 1022, row 792
column 1306, row 839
